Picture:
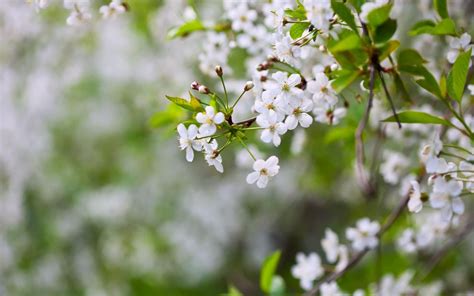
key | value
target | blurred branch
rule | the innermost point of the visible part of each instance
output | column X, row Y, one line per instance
column 394, row 215
column 441, row 253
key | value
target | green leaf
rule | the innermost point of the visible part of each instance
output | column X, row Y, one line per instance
column 441, row 8
column 458, row 75
column 422, row 27
column 171, row 115
column 299, row 13
column 444, row 27
column 385, row 31
column 443, row 85
column 387, row 49
column 297, row 29
column 193, row 104
column 344, row 80
column 233, row 291
column 348, row 42
column 417, row 117
column 379, row 15
column 428, row 82
column 345, row 14
column 268, row 270
column 277, row 287
column 410, row 57
column 185, row 29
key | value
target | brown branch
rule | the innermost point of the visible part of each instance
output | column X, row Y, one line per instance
column 389, row 98
column 366, row 186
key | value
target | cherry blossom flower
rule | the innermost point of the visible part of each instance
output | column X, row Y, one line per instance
column 393, row 166
column 364, row 235
column 242, row 17
column 298, row 114
column 264, row 170
column 322, row 90
column 459, row 45
column 326, row 114
column 212, row 156
column 114, row 8
column 319, row 13
column 330, row 244
column 187, row 140
column 407, row 241
column 272, row 129
column 208, row 120
column 415, row 204
column 285, row 50
column 307, row 269
column 283, row 87
column 445, row 196
column 330, row 289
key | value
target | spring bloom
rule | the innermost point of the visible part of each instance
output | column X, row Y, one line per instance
column 114, row 8
column 415, row 204
column 212, row 155
column 364, row 235
column 187, row 140
column 264, row 170
column 208, row 120
column 307, row 269
column 457, row 46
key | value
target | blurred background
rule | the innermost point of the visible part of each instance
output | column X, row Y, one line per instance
column 94, row 201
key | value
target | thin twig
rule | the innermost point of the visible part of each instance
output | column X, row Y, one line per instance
column 394, row 215
column 389, row 98
column 436, row 258
column 359, row 132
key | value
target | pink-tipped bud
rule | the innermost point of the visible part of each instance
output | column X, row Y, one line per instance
column 195, row 85
column 203, row 89
column 248, row 85
column 219, row 71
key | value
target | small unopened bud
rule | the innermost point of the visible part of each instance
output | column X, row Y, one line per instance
column 195, row 85
column 272, row 58
column 203, row 89
column 263, row 67
column 219, row 71
column 322, row 48
column 334, row 67
column 248, row 85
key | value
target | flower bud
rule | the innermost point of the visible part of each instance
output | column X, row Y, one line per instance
column 203, row 89
column 248, row 86
column 322, row 48
column 219, row 71
column 334, row 67
column 195, row 85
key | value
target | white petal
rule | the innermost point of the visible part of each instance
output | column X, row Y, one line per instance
column 458, row 205
column 305, row 120
column 252, row 177
column 189, row 154
column 219, row 118
column 183, row 133
column 262, row 181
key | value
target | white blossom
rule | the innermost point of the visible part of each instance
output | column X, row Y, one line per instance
column 272, row 128
column 319, row 13
column 114, row 8
column 264, row 170
column 307, row 269
column 364, row 235
column 330, row 289
column 212, row 155
column 445, row 196
column 459, row 45
column 415, row 204
column 208, row 120
column 187, row 140
column 298, row 113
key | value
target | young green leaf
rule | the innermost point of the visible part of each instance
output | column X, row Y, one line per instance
column 417, row 117
column 268, row 270
column 441, row 8
column 172, row 114
column 348, row 42
column 428, row 82
column 233, row 291
column 185, row 29
column 385, row 31
column 444, row 27
column 458, row 75
column 345, row 14
column 379, row 15
column 297, row 29
column 298, row 14
column 410, row 57
column 277, row 287
column 344, row 80
column 387, row 49
column 192, row 105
